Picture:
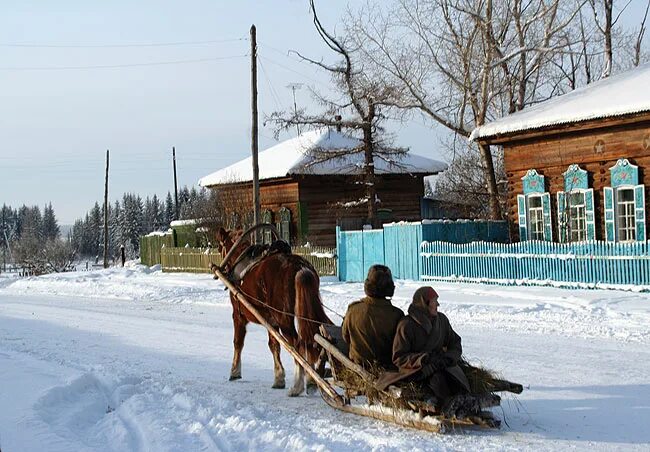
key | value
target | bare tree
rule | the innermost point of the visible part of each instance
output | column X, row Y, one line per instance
column 464, row 62
column 363, row 99
column 640, row 35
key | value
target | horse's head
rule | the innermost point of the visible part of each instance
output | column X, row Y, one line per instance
column 224, row 241
column 227, row 239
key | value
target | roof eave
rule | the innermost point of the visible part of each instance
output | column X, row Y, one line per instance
column 562, row 128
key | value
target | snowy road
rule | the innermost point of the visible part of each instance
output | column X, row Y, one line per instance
column 130, row 359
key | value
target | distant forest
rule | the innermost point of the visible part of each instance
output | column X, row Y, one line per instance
column 128, row 219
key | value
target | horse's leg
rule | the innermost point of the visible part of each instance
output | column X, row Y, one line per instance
column 239, row 324
column 312, row 387
column 278, row 370
column 298, row 380
column 298, row 372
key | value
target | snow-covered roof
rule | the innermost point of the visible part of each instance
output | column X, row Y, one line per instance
column 619, row 95
column 295, row 156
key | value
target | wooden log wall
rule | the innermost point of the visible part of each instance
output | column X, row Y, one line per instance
column 313, row 201
column 320, row 198
column 595, row 150
column 274, row 195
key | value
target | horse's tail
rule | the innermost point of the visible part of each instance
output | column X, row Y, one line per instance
column 309, row 311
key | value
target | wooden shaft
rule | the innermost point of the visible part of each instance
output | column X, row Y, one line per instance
column 322, row 384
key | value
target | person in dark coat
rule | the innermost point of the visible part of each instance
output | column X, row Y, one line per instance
column 426, row 348
column 370, row 323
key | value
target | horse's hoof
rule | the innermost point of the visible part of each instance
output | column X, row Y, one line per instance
column 278, row 385
column 235, row 377
column 312, row 389
column 295, row 392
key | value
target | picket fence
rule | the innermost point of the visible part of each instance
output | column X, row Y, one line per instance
column 191, row 260
column 322, row 258
column 198, row 260
column 397, row 245
column 585, row 264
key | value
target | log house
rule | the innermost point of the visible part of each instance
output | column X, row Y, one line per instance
column 577, row 165
column 306, row 200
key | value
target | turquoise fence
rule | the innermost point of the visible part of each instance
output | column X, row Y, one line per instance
column 585, row 264
column 397, row 245
column 357, row 251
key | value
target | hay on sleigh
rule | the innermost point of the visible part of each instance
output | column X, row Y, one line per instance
column 481, row 381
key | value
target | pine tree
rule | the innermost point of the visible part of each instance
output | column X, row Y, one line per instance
column 50, row 227
column 157, row 219
column 169, row 209
column 150, row 214
column 95, row 231
column 77, row 237
column 31, row 222
column 131, row 223
column 183, row 199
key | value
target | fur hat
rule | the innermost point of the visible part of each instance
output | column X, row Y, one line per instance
column 379, row 282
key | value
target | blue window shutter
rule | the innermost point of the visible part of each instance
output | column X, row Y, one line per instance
column 639, row 212
column 521, row 207
column 589, row 214
column 561, row 216
column 610, row 226
column 546, row 210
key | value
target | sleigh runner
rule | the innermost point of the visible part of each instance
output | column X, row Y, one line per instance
column 358, row 392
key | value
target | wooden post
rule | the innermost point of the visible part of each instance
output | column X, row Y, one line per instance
column 6, row 244
column 254, row 132
column 322, row 384
column 176, row 212
column 106, row 214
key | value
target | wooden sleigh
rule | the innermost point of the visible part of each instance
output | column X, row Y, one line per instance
column 399, row 405
column 395, row 405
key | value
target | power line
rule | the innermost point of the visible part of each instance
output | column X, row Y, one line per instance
column 294, row 71
column 274, row 94
column 108, row 46
column 118, row 66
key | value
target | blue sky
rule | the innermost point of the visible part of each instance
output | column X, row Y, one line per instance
column 57, row 124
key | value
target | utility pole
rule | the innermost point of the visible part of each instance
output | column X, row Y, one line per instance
column 254, row 131
column 177, row 216
column 6, row 244
column 106, row 214
column 293, row 87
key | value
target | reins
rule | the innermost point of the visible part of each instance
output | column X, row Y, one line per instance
column 280, row 311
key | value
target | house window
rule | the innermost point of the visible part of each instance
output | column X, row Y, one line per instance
column 534, row 209
column 284, row 224
column 625, row 219
column 575, row 207
column 267, row 217
column 577, row 217
column 536, row 217
column 624, row 204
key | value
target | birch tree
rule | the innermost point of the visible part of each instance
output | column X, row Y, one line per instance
column 462, row 63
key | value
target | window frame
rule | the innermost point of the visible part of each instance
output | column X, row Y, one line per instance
column 538, row 221
column 630, row 214
column 578, row 233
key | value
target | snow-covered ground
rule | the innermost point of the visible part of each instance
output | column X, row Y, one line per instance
column 136, row 360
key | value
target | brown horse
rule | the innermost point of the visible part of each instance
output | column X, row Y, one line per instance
column 284, row 288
